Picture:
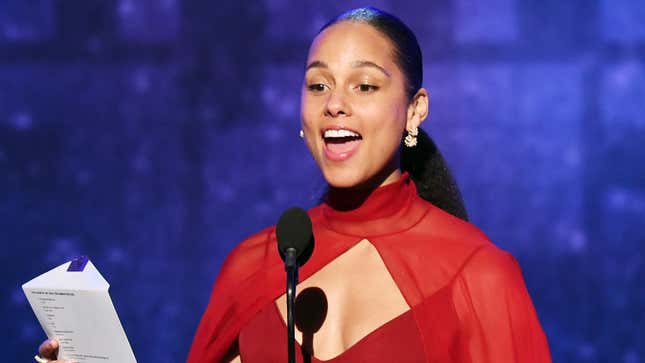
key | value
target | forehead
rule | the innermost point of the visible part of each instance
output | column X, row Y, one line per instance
column 349, row 41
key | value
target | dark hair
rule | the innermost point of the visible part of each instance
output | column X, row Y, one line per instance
column 425, row 164
column 407, row 53
column 429, row 171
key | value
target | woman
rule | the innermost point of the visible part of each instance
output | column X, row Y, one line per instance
column 393, row 277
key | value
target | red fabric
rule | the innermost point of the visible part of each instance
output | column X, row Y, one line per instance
column 395, row 341
column 467, row 296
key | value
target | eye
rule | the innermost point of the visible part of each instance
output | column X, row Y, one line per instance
column 367, row 88
column 316, row 87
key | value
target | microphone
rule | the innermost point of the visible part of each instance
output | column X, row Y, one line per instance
column 295, row 245
column 294, row 235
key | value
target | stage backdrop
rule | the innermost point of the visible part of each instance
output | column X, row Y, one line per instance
column 155, row 135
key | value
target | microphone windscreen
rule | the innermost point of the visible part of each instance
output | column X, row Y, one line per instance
column 294, row 231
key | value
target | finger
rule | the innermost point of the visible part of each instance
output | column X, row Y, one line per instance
column 44, row 360
column 49, row 348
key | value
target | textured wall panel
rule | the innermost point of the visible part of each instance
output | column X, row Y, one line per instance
column 26, row 20
column 148, row 21
column 487, row 22
column 623, row 21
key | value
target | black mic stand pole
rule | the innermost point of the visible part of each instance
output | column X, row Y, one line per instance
column 291, row 267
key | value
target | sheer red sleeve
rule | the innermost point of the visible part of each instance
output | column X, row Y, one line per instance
column 233, row 298
column 499, row 321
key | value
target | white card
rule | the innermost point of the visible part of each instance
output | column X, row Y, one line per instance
column 75, row 307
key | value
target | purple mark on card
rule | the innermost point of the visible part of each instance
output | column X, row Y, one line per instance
column 78, row 264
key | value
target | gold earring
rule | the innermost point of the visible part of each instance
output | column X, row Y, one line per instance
column 302, row 134
column 411, row 138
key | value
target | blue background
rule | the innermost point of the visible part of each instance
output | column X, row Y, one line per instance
column 155, row 135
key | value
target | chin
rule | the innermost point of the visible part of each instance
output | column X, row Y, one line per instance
column 344, row 179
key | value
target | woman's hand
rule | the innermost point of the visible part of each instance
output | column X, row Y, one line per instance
column 48, row 351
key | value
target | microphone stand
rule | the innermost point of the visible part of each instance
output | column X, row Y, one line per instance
column 291, row 268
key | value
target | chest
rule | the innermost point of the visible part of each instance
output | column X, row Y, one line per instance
column 344, row 302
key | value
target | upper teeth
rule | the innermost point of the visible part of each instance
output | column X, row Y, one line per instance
column 340, row 133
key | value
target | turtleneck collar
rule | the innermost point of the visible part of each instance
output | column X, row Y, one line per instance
column 387, row 209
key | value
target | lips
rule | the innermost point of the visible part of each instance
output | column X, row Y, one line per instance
column 340, row 143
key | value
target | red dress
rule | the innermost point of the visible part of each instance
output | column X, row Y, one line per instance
column 467, row 298
column 264, row 339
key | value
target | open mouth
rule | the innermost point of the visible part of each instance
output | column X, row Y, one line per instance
column 340, row 144
column 340, row 136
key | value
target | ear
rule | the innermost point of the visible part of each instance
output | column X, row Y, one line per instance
column 418, row 109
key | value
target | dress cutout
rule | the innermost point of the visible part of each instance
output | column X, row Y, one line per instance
column 345, row 300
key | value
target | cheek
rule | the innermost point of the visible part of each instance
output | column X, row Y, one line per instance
column 389, row 121
column 307, row 109
column 387, row 135
column 307, row 119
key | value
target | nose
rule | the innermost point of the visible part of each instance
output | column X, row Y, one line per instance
column 337, row 104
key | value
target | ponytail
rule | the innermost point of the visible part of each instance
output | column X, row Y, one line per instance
column 429, row 171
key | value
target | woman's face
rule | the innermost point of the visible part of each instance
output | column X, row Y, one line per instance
column 354, row 107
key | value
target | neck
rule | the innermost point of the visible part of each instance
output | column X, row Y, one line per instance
column 345, row 199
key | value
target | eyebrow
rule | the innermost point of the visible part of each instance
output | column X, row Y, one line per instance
column 316, row 64
column 355, row 64
column 359, row 64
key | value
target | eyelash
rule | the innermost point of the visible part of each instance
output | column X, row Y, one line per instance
column 316, row 87
column 367, row 88
column 363, row 88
